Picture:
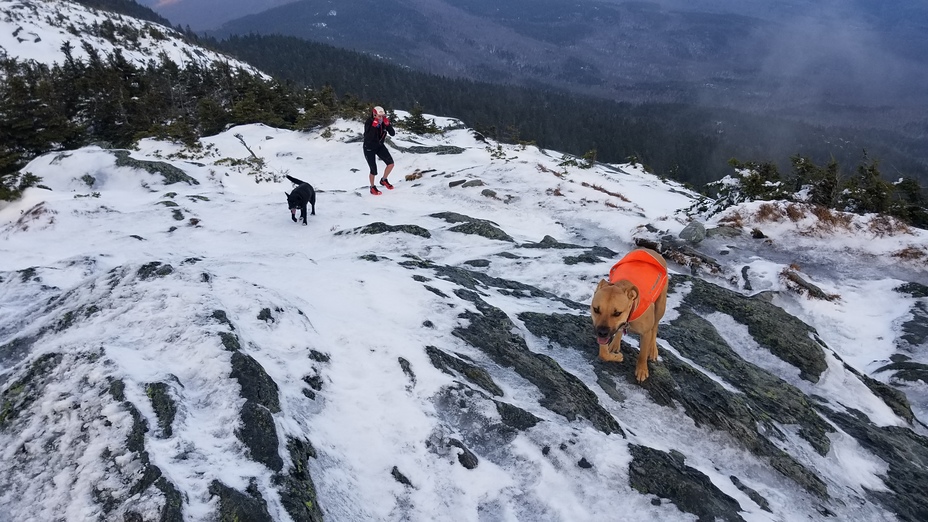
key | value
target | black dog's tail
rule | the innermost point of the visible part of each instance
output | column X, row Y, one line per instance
column 294, row 180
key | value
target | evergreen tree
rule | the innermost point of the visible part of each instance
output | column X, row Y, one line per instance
column 813, row 183
column 417, row 124
column 867, row 192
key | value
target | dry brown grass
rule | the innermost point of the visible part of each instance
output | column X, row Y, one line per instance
column 555, row 192
column 795, row 212
column 882, row 226
column 542, row 168
column 735, row 219
column 604, row 191
column 825, row 219
column 414, row 176
column 831, row 219
column 768, row 212
column 911, row 253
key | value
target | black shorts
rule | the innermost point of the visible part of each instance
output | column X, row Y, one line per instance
column 371, row 155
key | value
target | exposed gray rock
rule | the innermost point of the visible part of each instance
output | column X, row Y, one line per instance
column 694, row 232
column 469, row 371
column 723, row 231
column 399, row 477
column 154, row 269
column 454, row 217
column 383, row 228
column 484, row 229
column 516, row 417
column 230, row 341
column 913, row 289
column 665, row 475
column 439, row 150
column 235, row 506
column 905, row 452
column 467, row 414
column 24, row 391
column 259, row 434
column 255, row 383
column 682, row 254
column 13, row 352
column 466, row 457
column 220, row 315
column 297, row 490
column 490, row 330
column 149, row 474
column 549, row 242
column 915, row 330
column 476, row 280
column 751, row 493
column 674, row 383
column 469, row 225
column 783, row 334
column 164, row 406
column 583, row 258
column 698, row 341
column 170, row 173
column 907, row 371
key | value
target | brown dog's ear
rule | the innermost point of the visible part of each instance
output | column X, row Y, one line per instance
column 633, row 293
column 602, row 283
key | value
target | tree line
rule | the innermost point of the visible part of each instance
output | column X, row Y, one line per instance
column 687, row 142
column 111, row 101
column 863, row 191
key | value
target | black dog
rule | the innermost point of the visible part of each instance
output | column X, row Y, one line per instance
column 303, row 194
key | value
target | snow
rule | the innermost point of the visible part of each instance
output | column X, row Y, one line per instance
column 324, row 296
column 37, row 30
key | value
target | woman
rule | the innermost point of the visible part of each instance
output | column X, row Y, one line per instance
column 375, row 132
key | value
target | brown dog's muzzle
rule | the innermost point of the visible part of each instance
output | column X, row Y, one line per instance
column 604, row 335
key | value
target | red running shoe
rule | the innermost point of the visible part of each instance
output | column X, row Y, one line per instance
column 375, row 191
column 386, row 183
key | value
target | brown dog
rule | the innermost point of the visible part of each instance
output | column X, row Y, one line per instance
column 634, row 298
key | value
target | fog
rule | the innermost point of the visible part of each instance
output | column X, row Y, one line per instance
column 832, row 52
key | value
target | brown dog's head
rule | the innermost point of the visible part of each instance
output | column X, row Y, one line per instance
column 612, row 305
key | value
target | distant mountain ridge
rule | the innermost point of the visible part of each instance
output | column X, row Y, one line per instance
column 818, row 62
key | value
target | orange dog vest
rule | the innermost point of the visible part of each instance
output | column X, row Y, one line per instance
column 643, row 271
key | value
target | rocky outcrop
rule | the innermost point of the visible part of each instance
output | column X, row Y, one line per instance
column 674, row 383
column 770, row 326
column 170, row 173
column 469, row 225
column 490, row 331
column 667, row 476
column 383, row 228
column 235, row 505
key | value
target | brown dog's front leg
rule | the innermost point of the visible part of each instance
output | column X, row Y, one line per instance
column 612, row 352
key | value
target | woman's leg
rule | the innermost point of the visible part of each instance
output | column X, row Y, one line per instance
column 384, row 155
column 371, row 163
